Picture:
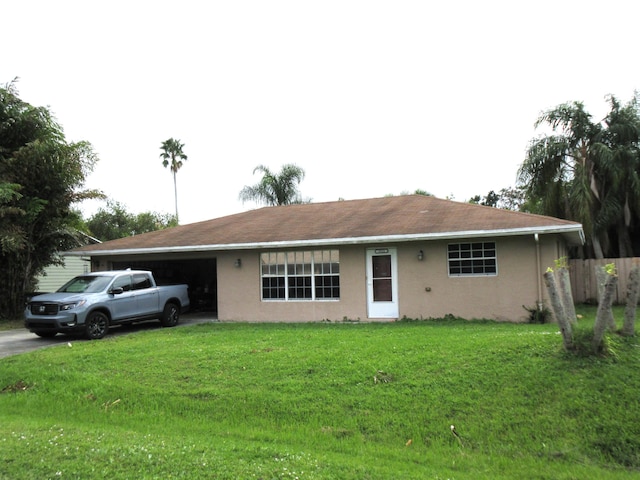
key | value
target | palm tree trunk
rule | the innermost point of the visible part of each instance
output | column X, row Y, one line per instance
column 601, row 277
column 604, row 312
column 558, row 310
column 633, row 291
column 624, row 241
column 175, row 194
column 597, row 247
column 567, row 297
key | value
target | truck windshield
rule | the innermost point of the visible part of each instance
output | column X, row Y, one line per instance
column 86, row 284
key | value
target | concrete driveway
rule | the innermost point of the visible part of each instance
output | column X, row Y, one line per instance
column 20, row 340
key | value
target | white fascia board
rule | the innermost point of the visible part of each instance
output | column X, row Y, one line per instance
column 574, row 231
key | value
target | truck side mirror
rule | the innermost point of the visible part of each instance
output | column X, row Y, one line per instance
column 117, row 290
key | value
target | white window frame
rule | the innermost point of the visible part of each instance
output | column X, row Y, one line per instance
column 282, row 268
column 476, row 255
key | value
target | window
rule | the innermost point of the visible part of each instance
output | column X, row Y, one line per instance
column 123, row 282
column 300, row 275
column 141, row 281
column 472, row 259
column 85, row 284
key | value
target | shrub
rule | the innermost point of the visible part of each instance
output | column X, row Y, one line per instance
column 538, row 315
column 583, row 343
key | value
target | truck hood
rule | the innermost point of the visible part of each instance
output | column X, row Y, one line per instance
column 59, row 297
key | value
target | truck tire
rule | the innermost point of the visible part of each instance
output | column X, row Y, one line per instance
column 96, row 325
column 170, row 315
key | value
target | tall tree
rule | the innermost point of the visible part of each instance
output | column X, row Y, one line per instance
column 506, row 199
column 619, row 156
column 115, row 222
column 275, row 188
column 42, row 178
column 173, row 157
column 11, row 237
column 490, row 200
column 588, row 172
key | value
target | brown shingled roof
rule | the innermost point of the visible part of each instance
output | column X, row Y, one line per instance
column 408, row 217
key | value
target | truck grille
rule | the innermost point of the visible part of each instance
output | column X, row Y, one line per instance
column 40, row 308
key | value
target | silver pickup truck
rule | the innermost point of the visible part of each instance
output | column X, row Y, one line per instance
column 90, row 303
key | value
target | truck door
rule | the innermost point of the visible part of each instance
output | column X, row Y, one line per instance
column 147, row 295
column 123, row 305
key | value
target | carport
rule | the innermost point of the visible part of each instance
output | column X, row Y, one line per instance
column 200, row 274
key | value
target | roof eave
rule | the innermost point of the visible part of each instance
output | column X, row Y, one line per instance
column 572, row 233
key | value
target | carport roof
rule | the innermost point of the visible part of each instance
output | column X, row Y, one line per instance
column 398, row 218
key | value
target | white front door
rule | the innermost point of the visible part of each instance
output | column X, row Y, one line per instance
column 382, row 283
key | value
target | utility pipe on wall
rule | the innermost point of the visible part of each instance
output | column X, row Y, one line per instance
column 538, row 271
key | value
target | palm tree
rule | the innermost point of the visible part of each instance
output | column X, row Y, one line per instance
column 173, row 156
column 620, row 160
column 588, row 172
column 275, row 189
column 560, row 172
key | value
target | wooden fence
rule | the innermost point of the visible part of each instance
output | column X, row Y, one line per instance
column 583, row 278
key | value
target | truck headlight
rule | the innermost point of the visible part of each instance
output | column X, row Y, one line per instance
column 71, row 306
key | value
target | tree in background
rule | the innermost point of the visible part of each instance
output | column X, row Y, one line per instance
column 558, row 170
column 417, row 191
column 115, row 222
column 275, row 188
column 620, row 162
column 11, row 237
column 587, row 171
column 506, row 199
column 42, row 178
column 173, row 157
column 490, row 200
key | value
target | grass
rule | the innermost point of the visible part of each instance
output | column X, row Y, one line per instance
column 323, row 401
column 11, row 324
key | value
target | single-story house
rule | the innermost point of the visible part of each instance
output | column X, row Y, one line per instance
column 388, row 258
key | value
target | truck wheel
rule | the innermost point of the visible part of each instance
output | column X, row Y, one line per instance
column 170, row 315
column 96, row 325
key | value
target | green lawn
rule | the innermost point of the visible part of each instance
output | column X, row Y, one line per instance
column 11, row 324
column 322, row 401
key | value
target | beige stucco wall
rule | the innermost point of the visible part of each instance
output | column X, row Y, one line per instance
column 425, row 289
column 239, row 292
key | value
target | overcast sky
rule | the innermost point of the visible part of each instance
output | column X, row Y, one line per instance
column 370, row 98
